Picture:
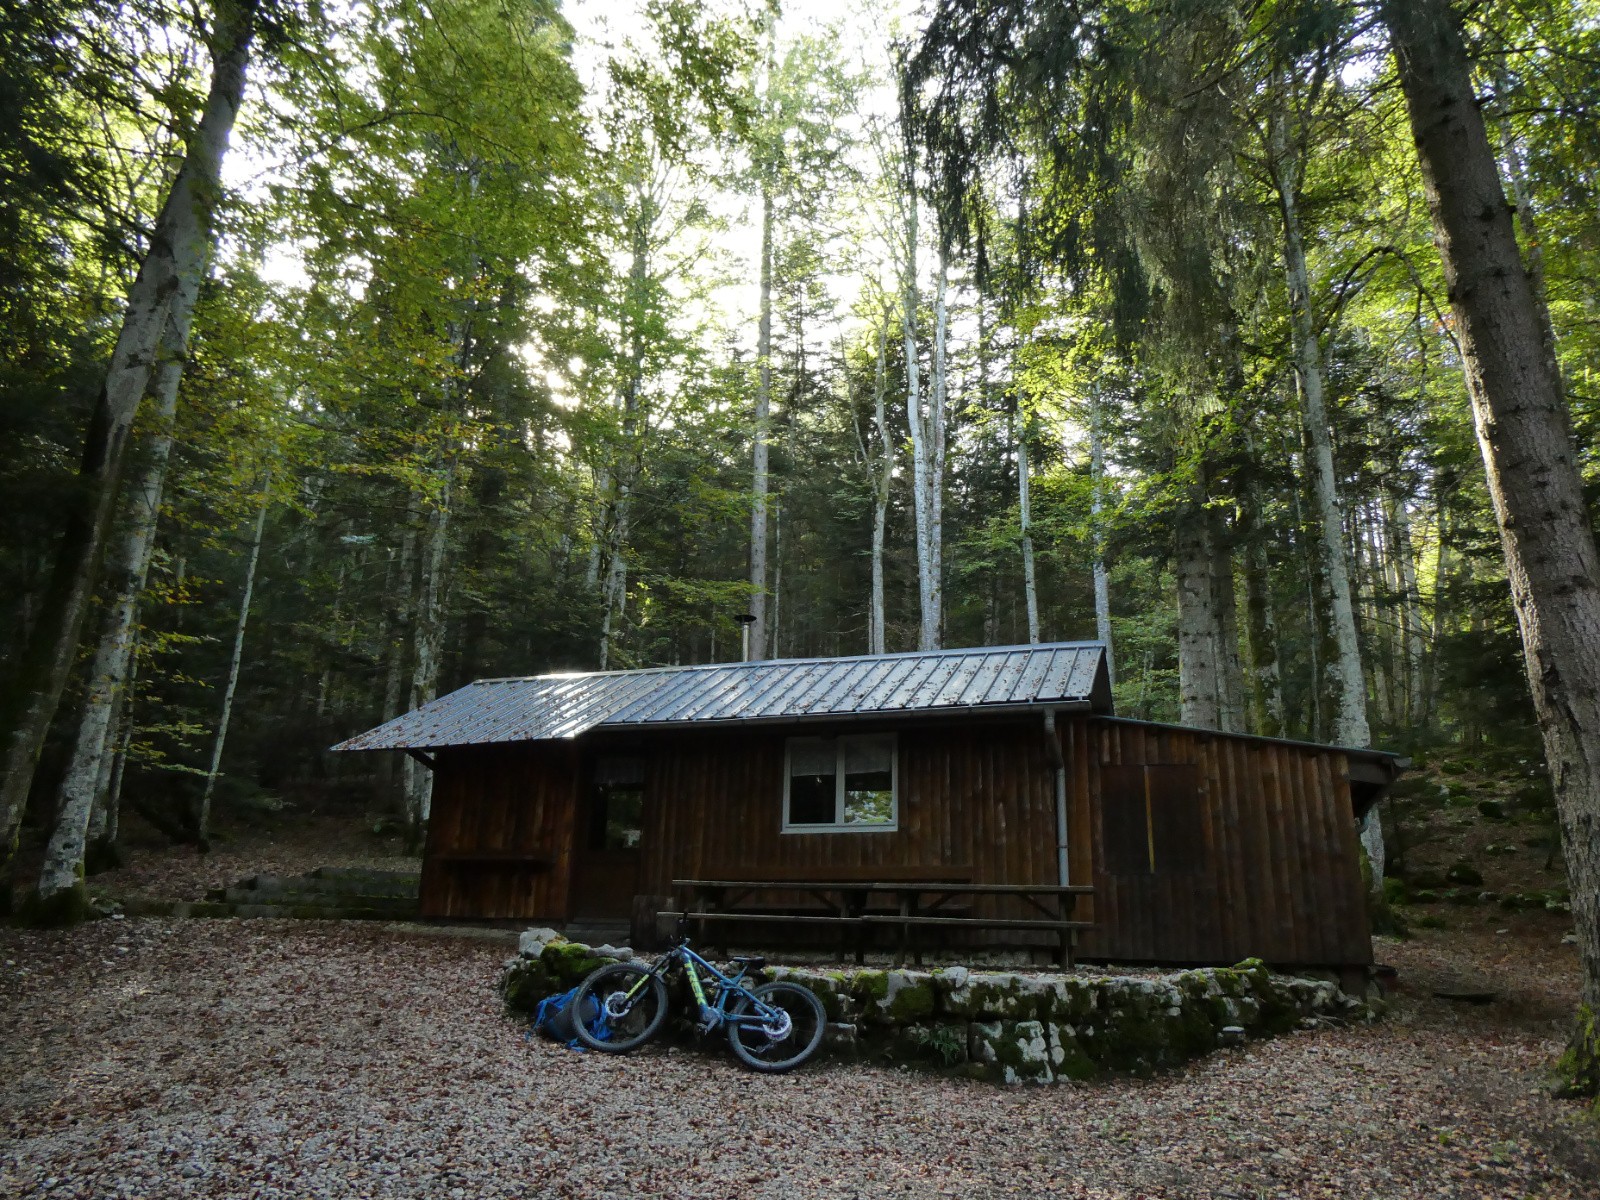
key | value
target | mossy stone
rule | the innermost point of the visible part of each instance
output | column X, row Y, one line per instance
column 1462, row 871
column 569, row 963
column 64, row 909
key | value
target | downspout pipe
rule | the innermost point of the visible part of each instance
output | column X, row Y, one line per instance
column 1052, row 748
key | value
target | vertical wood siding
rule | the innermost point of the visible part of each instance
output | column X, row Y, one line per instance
column 1279, row 878
column 1268, row 865
column 501, row 800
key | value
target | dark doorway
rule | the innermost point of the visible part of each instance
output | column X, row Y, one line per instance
column 605, row 860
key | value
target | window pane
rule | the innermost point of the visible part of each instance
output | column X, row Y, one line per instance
column 868, row 754
column 811, row 756
column 619, row 769
column 868, row 779
column 624, row 808
column 868, row 800
column 811, row 799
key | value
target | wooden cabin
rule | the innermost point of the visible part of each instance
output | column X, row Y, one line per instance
column 581, row 797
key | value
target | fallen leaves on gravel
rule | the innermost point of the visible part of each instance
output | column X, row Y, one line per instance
column 285, row 1059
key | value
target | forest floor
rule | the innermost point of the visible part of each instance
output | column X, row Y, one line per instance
column 230, row 1058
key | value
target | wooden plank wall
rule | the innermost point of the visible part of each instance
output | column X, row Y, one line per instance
column 973, row 798
column 510, row 800
column 1279, row 876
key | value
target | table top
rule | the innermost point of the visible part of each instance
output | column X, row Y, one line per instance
column 977, row 889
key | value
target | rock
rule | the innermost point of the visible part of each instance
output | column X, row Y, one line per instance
column 1464, row 872
column 1012, row 1051
column 840, row 1040
column 532, row 942
column 1569, row 939
column 833, row 988
column 617, row 953
column 1466, row 995
column 992, row 995
column 1492, row 810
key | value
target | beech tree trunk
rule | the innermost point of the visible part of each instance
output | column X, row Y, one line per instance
column 1102, row 584
column 83, row 786
column 926, row 638
column 230, row 689
column 1525, row 435
column 1342, row 677
column 428, row 642
column 1030, row 586
column 928, row 448
column 882, row 482
column 180, row 246
column 761, row 433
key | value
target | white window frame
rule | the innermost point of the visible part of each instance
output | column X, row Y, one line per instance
column 838, row 825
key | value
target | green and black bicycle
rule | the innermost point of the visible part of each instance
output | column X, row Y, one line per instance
column 771, row 1027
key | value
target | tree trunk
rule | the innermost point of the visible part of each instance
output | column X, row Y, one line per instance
column 1524, row 433
column 763, row 419
column 1102, row 584
column 428, row 640
column 1030, row 586
column 180, row 246
column 203, row 824
column 1224, row 608
column 1199, row 690
column 624, row 473
column 400, row 594
column 882, row 482
column 81, row 787
column 1266, row 680
column 1437, row 619
column 915, row 418
column 1341, row 673
column 928, row 445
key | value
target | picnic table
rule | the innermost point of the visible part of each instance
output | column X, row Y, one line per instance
column 848, row 906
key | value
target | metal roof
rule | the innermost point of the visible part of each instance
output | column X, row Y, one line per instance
column 1067, row 675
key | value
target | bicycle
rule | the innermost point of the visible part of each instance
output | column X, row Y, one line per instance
column 772, row 1027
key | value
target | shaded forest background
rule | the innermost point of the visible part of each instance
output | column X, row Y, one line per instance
column 529, row 340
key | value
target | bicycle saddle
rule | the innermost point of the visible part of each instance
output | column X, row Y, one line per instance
column 753, row 961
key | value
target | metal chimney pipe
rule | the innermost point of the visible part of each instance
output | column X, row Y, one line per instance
column 745, row 621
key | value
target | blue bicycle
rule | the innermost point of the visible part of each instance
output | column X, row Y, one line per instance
column 771, row 1027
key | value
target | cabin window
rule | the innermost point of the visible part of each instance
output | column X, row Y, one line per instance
column 616, row 812
column 840, row 783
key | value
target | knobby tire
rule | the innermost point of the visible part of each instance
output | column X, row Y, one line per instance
column 641, row 1022
column 762, row 1053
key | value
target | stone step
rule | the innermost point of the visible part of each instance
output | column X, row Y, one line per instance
column 139, row 906
column 340, row 888
column 288, row 897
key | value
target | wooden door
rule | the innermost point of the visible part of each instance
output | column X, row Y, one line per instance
column 610, row 828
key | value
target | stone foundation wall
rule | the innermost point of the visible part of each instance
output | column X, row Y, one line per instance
column 1010, row 1027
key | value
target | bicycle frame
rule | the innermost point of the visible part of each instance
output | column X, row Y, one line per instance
column 727, row 987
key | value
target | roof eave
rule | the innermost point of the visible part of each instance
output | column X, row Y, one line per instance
column 808, row 719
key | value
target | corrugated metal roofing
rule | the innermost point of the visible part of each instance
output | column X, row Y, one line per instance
column 1069, row 675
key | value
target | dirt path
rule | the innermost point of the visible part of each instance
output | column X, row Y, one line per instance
column 266, row 1058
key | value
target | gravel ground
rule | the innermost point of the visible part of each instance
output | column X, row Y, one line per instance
column 277, row 1058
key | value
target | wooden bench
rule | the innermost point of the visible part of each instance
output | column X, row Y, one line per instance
column 920, row 903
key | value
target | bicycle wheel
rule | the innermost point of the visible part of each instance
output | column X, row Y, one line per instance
column 790, row 1035
column 631, row 1013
